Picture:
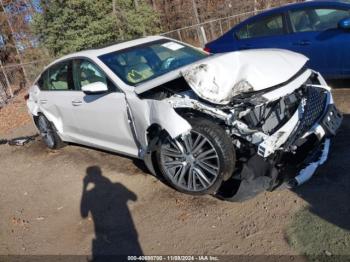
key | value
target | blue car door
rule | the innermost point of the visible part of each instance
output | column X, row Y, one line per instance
column 264, row 32
column 315, row 33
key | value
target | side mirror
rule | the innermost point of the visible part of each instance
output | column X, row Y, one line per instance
column 95, row 88
column 344, row 24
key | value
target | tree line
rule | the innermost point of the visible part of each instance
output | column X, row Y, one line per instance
column 36, row 29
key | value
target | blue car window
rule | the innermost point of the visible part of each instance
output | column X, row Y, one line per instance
column 317, row 19
column 268, row 26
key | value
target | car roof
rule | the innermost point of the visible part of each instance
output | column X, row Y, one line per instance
column 95, row 52
column 293, row 6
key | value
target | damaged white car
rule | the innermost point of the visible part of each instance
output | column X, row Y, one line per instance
column 231, row 124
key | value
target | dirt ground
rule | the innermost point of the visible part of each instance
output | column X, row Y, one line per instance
column 124, row 210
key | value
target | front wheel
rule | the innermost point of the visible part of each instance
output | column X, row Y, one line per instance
column 197, row 163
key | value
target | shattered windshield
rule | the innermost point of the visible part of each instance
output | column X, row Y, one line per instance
column 144, row 62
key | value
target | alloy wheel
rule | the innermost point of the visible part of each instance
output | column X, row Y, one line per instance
column 191, row 162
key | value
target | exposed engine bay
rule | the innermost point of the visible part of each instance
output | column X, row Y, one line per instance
column 267, row 133
column 249, row 117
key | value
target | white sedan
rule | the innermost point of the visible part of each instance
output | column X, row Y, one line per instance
column 230, row 124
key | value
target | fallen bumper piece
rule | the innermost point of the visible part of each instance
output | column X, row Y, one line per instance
column 287, row 169
column 21, row 141
column 259, row 175
column 306, row 173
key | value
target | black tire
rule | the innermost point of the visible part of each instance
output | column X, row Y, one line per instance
column 48, row 133
column 223, row 159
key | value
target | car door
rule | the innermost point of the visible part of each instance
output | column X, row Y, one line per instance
column 54, row 99
column 315, row 33
column 264, row 32
column 102, row 118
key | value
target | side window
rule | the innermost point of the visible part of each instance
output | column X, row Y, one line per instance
column 317, row 19
column 268, row 26
column 43, row 81
column 85, row 72
column 59, row 77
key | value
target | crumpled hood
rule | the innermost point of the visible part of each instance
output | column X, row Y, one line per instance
column 221, row 77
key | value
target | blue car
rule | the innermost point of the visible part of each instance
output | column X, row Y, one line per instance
column 318, row 29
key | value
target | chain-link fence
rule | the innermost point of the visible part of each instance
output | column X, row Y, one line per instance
column 202, row 33
column 13, row 78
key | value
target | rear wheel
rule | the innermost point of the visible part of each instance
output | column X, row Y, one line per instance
column 197, row 163
column 48, row 133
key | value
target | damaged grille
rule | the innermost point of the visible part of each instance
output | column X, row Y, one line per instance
column 269, row 118
column 314, row 108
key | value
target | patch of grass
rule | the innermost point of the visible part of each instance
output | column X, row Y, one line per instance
column 318, row 239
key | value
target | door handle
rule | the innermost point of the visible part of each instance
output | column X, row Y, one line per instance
column 43, row 101
column 303, row 43
column 76, row 102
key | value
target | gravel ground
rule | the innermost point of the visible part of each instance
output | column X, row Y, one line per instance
column 124, row 210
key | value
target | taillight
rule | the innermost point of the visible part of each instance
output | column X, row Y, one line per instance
column 26, row 97
column 207, row 49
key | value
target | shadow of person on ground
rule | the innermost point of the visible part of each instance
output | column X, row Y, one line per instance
column 328, row 192
column 115, row 233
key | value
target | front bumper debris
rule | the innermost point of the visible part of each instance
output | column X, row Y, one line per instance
column 306, row 148
column 306, row 173
column 332, row 120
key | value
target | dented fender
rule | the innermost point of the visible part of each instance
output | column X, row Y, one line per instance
column 148, row 112
column 32, row 104
column 34, row 110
